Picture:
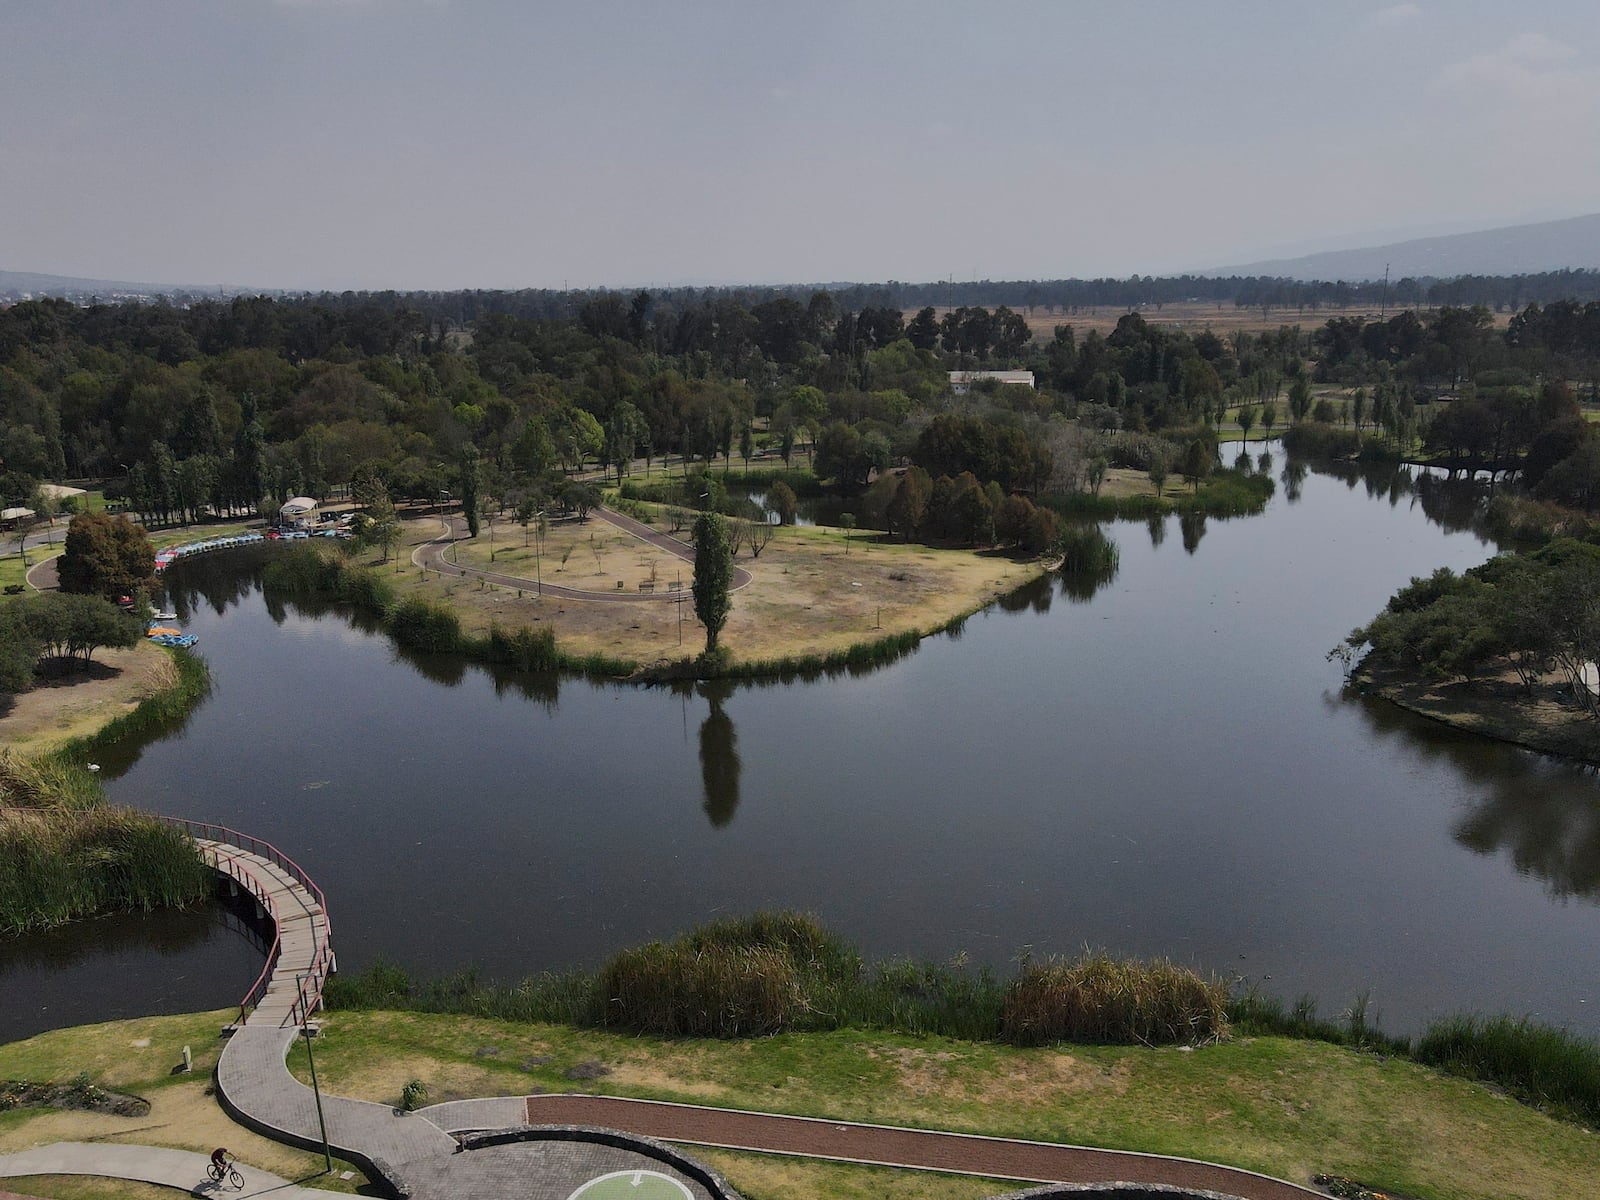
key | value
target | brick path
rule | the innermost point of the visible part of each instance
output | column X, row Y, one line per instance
column 996, row 1158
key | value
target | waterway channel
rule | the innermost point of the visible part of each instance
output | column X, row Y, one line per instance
column 1170, row 767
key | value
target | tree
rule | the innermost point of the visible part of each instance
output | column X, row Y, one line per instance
column 781, row 499
column 713, row 575
column 73, row 627
column 19, row 651
column 381, row 526
column 1247, row 419
column 1299, row 398
column 909, row 506
column 1197, row 462
column 107, row 556
column 1269, row 417
column 468, row 483
column 1157, row 470
column 847, row 522
column 582, row 498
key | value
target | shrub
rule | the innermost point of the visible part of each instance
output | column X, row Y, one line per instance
column 414, row 1095
column 1098, row 998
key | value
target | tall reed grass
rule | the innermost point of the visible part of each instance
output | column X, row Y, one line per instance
column 1541, row 1065
column 57, row 866
column 1098, row 998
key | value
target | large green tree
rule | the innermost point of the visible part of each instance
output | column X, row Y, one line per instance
column 107, row 556
column 713, row 575
column 74, row 627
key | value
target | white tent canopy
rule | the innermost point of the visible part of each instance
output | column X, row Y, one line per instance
column 298, row 506
column 16, row 514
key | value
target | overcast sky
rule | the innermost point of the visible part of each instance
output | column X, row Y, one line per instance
column 469, row 143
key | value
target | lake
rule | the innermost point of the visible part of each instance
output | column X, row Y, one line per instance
column 1170, row 767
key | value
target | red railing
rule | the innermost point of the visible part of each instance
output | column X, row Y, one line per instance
column 309, row 977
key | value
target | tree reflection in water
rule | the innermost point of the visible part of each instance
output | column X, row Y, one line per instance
column 719, row 754
column 1542, row 811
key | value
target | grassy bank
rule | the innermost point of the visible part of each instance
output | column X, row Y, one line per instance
column 773, row 973
column 1287, row 1107
column 818, row 601
column 64, row 855
column 58, row 866
column 1226, row 493
column 137, row 1057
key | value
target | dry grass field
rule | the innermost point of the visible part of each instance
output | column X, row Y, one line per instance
column 1193, row 317
column 78, row 703
column 812, row 592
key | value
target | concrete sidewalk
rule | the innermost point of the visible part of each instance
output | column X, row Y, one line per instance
column 147, row 1164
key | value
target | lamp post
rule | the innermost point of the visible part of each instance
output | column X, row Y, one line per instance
column 305, row 1029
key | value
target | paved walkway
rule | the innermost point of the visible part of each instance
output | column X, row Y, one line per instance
column 147, row 1164
column 887, row 1145
column 539, row 1146
column 432, row 556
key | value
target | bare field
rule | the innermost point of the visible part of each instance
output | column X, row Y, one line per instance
column 80, row 702
column 812, row 592
column 1194, row 317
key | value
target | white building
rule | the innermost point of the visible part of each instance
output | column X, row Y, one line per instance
column 299, row 511
column 962, row 381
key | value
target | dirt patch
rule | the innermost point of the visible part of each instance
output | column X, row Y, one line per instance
column 1494, row 706
column 68, row 705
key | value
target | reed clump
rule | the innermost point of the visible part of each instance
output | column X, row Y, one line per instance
column 737, row 978
column 1098, row 998
column 57, row 866
column 50, row 781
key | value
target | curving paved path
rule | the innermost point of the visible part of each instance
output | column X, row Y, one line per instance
column 895, row 1146
column 542, row 1146
column 430, row 554
column 183, row 1169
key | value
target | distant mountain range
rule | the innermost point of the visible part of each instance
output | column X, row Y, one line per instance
column 16, row 285
column 1512, row 250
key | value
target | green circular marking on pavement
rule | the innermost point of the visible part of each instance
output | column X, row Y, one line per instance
column 633, row 1185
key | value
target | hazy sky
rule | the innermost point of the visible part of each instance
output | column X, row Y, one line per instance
column 454, row 143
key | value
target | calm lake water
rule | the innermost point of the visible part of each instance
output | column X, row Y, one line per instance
column 1169, row 768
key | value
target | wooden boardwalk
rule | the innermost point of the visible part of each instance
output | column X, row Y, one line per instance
column 289, row 988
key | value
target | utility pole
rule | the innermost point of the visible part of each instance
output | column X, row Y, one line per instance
column 1385, row 309
column 305, row 1028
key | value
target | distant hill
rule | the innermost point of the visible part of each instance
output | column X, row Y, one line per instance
column 15, row 285
column 1512, row 250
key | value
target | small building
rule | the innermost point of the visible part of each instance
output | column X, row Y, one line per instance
column 961, row 381
column 298, row 511
column 10, row 518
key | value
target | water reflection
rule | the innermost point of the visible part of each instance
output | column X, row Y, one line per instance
column 1294, row 479
column 1264, row 463
column 1192, row 525
column 1158, row 529
column 719, row 754
column 1542, row 811
column 1455, row 505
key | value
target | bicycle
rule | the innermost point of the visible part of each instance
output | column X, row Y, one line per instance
column 231, row 1173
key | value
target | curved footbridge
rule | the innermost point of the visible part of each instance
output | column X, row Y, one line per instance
column 576, row 1147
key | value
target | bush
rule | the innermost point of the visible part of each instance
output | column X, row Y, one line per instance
column 1098, row 998
column 414, row 1095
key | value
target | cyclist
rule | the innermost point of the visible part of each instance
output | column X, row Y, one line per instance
column 219, row 1161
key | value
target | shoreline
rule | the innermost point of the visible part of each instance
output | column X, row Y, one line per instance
column 1496, row 709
